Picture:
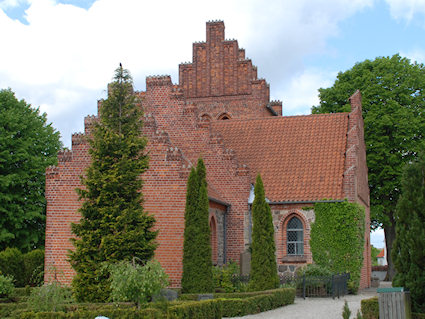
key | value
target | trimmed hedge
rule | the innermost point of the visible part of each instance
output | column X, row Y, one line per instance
column 206, row 309
column 7, row 309
column 259, row 303
column 234, row 295
column 370, row 308
column 129, row 313
column 240, row 304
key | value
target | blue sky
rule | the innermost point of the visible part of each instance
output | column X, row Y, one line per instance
column 59, row 55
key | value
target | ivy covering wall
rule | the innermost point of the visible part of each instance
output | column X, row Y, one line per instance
column 337, row 238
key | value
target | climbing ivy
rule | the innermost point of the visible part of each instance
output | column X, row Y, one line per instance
column 337, row 238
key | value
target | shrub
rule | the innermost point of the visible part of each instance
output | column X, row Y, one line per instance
column 224, row 277
column 265, row 301
column 50, row 297
column 206, row 309
column 318, row 279
column 313, row 270
column 370, row 308
column 136, row 283
column 346, row 312
column 6, row 286
column 33, row 263
column 11, row 264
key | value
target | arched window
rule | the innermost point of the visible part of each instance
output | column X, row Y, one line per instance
column 295, row 237
column 224, row 116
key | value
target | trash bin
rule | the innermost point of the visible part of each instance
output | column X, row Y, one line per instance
column 394, row 303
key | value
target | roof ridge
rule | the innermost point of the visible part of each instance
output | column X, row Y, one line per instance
column 275, row 118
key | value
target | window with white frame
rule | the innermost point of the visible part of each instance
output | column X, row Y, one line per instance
column 295, row 237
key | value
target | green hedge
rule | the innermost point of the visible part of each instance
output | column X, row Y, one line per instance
column 258, row 303
column 206, row 309
column 418, row 315
column 147, row 313
column 233, row 295
column 7, row 309
column 370, row 308
column 241, row 304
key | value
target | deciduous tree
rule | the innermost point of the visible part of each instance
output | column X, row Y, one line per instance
column 114, row 226
column 393, row 91
column 27, row 146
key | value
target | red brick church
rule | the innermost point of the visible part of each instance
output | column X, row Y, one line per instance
column 221, row 111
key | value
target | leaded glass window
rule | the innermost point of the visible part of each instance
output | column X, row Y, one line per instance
column 295, row 237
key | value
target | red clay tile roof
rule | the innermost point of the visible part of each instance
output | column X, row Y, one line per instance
column 381, row 254
column 214, row 194
column 300, row 158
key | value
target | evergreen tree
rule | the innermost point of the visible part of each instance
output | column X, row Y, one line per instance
column 408, row 249
column 27, row 146
column 263, row 274
column 114, row 227
column 197, row 267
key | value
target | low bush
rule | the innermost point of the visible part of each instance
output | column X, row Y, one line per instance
column 236, row 295
column 313, row 270
column 227, row 278
column 136, row 283
column 50, row 297
column 206, row 309
column 258, row 303
column 418, row 315
column 11, row 309
column 33, row 263
column 370, row 308
column 6, row 286
column 11, row 264
column 130, row 313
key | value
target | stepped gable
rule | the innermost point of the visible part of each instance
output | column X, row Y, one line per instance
column 220, row 73
column 300, row 158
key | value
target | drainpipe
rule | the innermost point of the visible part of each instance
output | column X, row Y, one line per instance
column 224, row 225
column 224, row 235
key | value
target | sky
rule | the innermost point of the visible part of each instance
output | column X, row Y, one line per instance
column 60, row 55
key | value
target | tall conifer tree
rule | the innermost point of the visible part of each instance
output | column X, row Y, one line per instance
column 114, row 226
column 197, row 262
column 263, row 274
column 408, row 249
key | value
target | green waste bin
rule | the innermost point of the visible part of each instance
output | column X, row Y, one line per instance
column 394, row 303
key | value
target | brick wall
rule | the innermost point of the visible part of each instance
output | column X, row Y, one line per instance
column 220, row 82
column 355, row 181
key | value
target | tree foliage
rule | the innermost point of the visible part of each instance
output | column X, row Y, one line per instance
column 408, row 250
column 114, row 225
column 263, row 273
column 197, row 271
column 393, row 92
column 27, row 146
column 337, row 238
column 136, row 283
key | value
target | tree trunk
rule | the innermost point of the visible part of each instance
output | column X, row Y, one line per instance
column 389, row 240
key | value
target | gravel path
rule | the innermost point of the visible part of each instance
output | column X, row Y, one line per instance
column 317, row 308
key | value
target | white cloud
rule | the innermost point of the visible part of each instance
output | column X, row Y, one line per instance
column 415, row 55
column 7, row 4
column 377, row 238
column 65, row 56
column 406, row 9
column 301, row 91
